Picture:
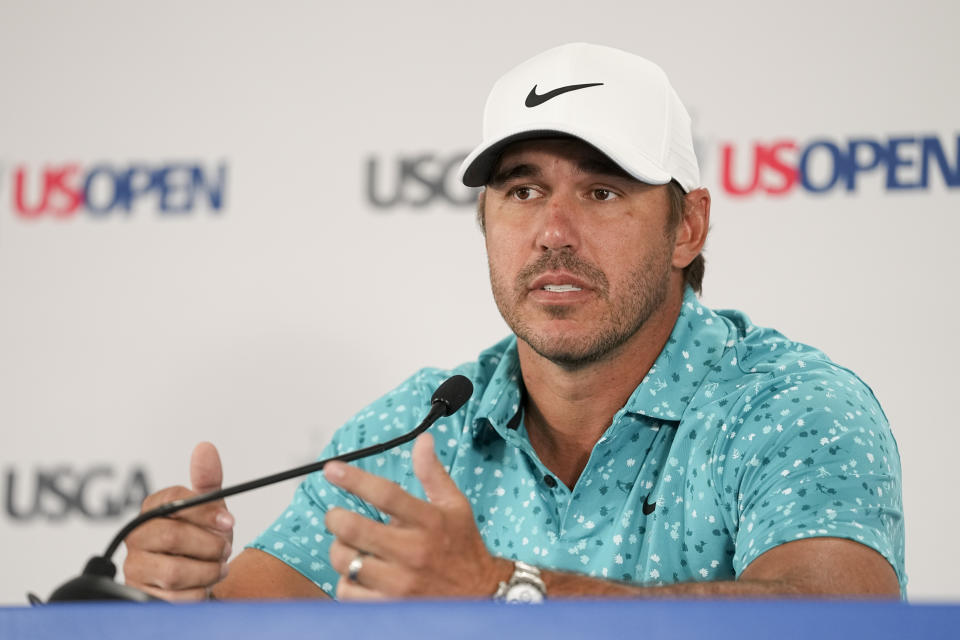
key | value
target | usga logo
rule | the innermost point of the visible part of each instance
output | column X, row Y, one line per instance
column 417, row 180
column 64, row 190
column 57, row 491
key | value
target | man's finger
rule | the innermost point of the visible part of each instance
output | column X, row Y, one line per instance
column 174, row 573
column 206, row 475
column 164, row 496
column 213, row 515
column 347, row 590
column 437, row 483
column 385, row 495
column 359, row 532
column 181, row 538
column 375, row 580
column 183, row 595
column 206, row 472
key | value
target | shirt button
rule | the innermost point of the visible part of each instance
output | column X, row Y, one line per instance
column 550, row 480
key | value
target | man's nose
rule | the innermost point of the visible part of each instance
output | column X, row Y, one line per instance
column 558, row 229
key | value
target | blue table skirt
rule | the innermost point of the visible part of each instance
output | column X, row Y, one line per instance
column 556, row 620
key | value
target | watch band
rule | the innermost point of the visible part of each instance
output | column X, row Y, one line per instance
column 524, row 585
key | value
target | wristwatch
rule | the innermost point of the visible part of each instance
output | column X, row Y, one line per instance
column 525, row 585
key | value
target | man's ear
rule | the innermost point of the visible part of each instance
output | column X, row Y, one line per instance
column 481, row 211
column 692, row 230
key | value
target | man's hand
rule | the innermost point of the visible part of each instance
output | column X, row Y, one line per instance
column 429, row 549
column 181, row 556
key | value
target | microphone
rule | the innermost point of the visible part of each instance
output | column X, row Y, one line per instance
column 97, row 583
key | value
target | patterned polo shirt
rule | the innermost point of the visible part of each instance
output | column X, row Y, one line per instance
column 736, row 441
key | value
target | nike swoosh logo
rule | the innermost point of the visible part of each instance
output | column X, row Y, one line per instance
column 648, row 507
column 534, row 99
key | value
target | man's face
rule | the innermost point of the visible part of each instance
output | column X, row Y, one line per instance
column 580, row 254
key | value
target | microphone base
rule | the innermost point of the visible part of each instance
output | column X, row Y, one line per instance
column 97, row 583
column 86, row 588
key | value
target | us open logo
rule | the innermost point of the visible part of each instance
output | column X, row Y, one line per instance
column 64, row 189
column 893, row 163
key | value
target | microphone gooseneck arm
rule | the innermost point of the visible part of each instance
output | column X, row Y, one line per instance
column 436, row 411
column 446, row 400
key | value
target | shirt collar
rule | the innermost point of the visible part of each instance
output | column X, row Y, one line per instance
column 692, row 351
column 501, row 400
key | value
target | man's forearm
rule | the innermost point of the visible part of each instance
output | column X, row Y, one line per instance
column 572, row 585
column 825, row 566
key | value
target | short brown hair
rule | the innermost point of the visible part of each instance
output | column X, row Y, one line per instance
column 692, row 273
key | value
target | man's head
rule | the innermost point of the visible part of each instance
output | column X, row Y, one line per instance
column 620, row 103
column 591, row 210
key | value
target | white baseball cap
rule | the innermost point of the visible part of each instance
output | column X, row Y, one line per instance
column 620, row 103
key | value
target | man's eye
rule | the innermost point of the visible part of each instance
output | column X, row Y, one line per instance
column 524, row 193
column 603, row 194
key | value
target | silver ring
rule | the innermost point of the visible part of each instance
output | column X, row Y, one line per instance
column 353, row 569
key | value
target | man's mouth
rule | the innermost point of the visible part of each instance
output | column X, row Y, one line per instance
column 555, row 282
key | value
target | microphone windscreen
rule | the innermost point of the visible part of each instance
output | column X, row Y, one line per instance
column 453, row 393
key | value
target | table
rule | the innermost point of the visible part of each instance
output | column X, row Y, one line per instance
column 556, row 620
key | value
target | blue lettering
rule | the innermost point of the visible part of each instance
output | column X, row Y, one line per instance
column 112, row 184
column 213, row 189
column 137, row 182
column 876, row 155
column 181, row 185
column 839, row 166
column 176, row 189
column 951, row 175
column 895, row 160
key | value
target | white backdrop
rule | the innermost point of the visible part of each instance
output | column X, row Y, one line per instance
column 263, row 321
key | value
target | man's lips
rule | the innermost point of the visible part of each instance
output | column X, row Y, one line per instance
column 558, row 280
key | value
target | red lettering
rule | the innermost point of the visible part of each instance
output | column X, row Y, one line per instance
column 19, row 203
column 57, row 196
column 58, row 185
column 727, row 171
column 772, row 159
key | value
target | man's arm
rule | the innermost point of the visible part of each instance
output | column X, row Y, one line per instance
column 259, row 575
column 433, row 549
column 810, row 567
column 816, row 566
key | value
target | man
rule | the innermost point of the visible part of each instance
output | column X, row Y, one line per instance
column 627, row 441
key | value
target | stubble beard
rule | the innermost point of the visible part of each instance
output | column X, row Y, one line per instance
column 646, row 291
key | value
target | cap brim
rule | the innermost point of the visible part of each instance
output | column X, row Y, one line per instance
column 476, row 168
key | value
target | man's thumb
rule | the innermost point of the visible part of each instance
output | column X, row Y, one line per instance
column 206, row 473
column 437, row 483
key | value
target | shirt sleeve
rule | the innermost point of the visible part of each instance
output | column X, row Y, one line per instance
column 812, row 455
column 298, row 536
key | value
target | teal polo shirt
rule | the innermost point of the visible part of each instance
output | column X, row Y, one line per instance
column 736, row 441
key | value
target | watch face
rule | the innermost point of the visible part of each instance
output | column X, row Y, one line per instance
column 523, row 592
